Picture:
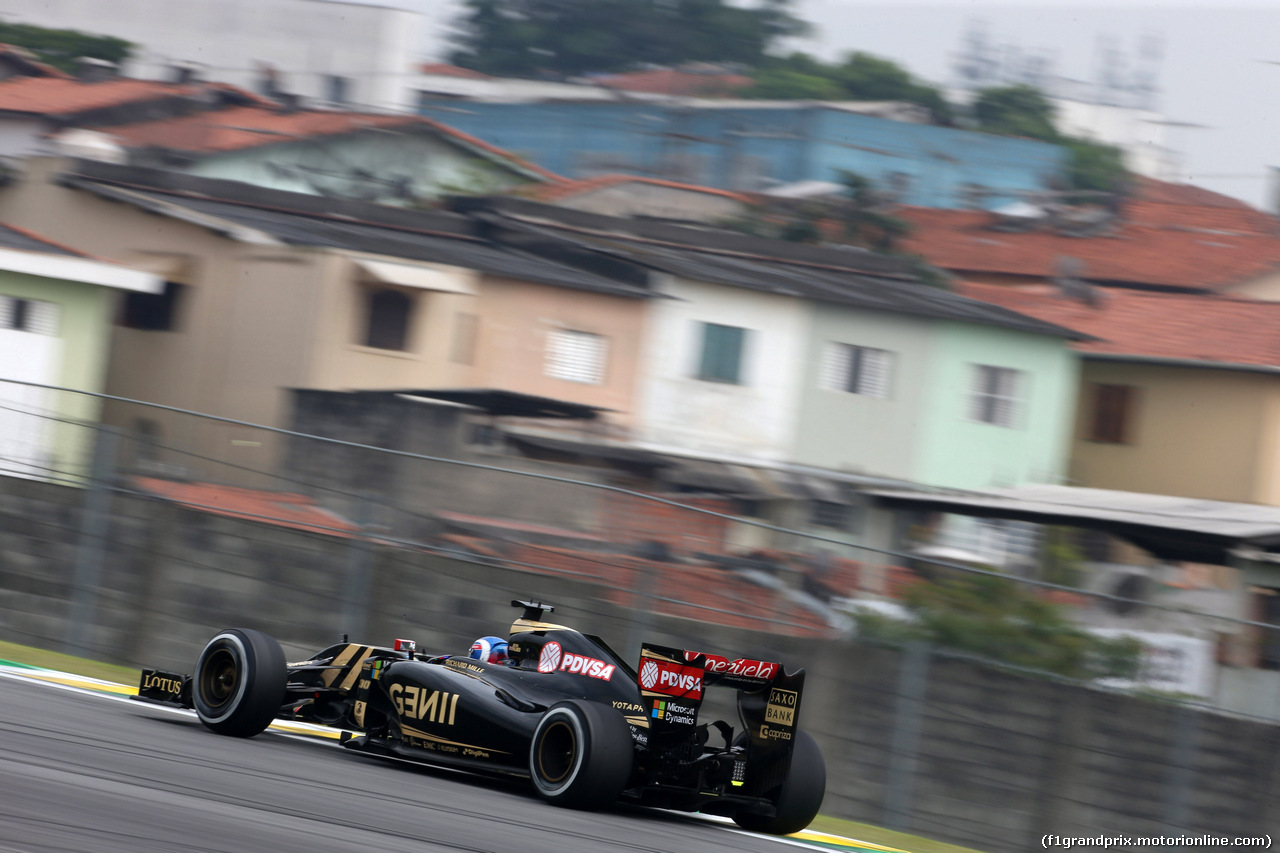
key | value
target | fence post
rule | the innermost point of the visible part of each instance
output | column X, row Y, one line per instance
column 356, row 594
column 1182, row 771
column 91, row 541
column 640, row 624
column 904, row 744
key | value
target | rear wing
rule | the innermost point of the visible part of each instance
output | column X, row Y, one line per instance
column 672, row 683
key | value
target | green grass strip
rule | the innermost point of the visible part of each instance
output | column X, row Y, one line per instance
column 32, row 658
column 880, row 836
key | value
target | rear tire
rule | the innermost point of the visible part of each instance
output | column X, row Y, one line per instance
column 580, row 755
column 239, row 683
column 797, row 800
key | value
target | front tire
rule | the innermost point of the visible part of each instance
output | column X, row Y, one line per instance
column 239, row 682
column 797, row 800
column 580, row 755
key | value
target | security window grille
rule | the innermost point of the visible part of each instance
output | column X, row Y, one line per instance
column 576, row 356
column 828, row 514
column 153, row 312
column 388, row 320
column 721, row 359
column 29, row 315
column 1112, row 413
column 856, row 370
column 996, row 395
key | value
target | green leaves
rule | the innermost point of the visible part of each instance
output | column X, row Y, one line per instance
column 1001, row 620
column 60, row 48
column 1016, row 111
column 572, row 37
column 1025, row 111
column 859, row 77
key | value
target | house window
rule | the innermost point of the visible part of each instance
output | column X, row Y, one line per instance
column 576, row 356
column 1112, row 413
column 29, row 315
column 388, row 320
column 856, row 370
column 996, row 395
column 146, row 432
column 972, row 196
column 153, row 312
column 338, row 89
column 721, row 359
column 465, row 328
column 898, row 186
column 828, row 514
column 1268, row 605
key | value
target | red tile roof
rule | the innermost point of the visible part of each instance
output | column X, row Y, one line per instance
column 1204, row 247
column 444, row 69
column 283, row 509
column 1156, row 203
column 675, row 81
column 686, row 590
column 32, row 67
column 60, row 96
column 246, row 127
column 239, row 128
column 569, row 189
column 1195, row 327
column 54, row 245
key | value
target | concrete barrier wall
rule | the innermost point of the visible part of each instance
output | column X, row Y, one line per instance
column 945, row 748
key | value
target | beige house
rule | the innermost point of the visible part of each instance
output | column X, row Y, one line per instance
column 267, row 291
column 1180, row 394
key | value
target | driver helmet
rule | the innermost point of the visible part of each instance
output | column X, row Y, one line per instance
column 489, row 650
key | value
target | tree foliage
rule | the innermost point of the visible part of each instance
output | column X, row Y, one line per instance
column 1015, row 111
column 858, row 77
column 786, row 84
column 61, row 48
column 570, row 37
column 1095, row 166
column 1025, row 111
column 998, row 619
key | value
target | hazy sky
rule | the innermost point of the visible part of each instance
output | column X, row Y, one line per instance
column 1214, row 70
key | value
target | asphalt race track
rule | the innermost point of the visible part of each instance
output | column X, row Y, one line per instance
column 91, row 772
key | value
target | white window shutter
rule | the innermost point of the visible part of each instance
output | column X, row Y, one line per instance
column 833, row 373
column 1011, row 397
column 977, row 392
column 576, row 356
column 43, row 317
column 876, row 373
column 995, row 395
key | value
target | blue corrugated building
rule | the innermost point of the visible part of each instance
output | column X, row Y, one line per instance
column 744, row 145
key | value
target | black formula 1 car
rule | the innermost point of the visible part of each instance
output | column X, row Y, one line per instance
column 564, row 712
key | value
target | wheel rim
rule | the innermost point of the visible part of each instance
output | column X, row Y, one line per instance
column 220, row 678
column 556, row 752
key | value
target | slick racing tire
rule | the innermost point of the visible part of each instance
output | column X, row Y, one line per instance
column 239, row 683
column 797, row 800
column 580, row 755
